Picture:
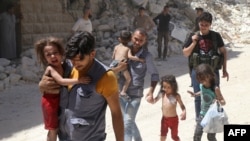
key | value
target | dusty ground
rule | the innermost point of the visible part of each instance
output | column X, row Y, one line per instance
column 21, row 117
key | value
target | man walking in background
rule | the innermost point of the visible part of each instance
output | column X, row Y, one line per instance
column 199, row 11
column 162, row 22
column 143, row 21
column 84, row 23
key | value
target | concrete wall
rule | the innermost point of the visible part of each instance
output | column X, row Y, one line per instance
column 42, row 18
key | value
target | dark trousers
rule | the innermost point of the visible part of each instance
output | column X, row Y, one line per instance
column 199, row 131
column 162, row 35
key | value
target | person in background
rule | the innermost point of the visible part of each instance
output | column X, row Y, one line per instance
column 170, row 98
column 84, row 23
column 201, row 48
column 209, row 92
column 19, row 17
column 8, row 33
column 138, row 71
column 162, row 21
column 50, row 54
column 199, row 11
column 83, row 106
column 142, row 20
column 196, row 28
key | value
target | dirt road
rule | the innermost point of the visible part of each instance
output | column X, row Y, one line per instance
column 21, row 118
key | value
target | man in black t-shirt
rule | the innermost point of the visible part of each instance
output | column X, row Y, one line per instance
column 199, row 11
column 162, row 22
column 202, row 43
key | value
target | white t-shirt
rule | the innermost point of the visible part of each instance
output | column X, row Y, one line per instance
column 82, row 25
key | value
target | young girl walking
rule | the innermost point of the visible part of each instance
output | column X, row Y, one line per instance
column 170, row 98
column 50, row 53
column 209, row 92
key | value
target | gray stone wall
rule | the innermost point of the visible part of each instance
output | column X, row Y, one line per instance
column 43, row 18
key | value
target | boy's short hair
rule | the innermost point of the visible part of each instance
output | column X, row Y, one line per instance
column 206, row 16
column 82, row 43
column 141, row 8
column 199, row 9
column 166, row 6
column 85, row 8
column 125, row 35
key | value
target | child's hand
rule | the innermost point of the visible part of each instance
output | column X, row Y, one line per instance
column 222, row 102
column 150, row 99
column 191, row 93
column 183, row 116
column 142, row 60
column 84, row 80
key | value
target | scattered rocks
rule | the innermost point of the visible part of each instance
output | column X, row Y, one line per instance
column 231, row 19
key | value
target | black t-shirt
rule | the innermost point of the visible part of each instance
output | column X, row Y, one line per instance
column 163, row 22
column 205, row 43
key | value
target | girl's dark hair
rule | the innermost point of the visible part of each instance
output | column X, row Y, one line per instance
column 82, row 43
column 204, row 71
column 172, row 81
column 206, row 16
column 40, row 45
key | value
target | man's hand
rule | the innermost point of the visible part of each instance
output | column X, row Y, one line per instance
column 191, row 93
column 48, row 85
column 225, row 74
column 195, row 38
column 121, row 66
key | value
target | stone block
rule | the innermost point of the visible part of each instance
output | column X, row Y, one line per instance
column 26, row 7
column 27, row 28
column 41, row 18
column 27, row 39
column 30, row 18
column 52, row 7
column 66, row 18
column 38, row 28
column 179, row 33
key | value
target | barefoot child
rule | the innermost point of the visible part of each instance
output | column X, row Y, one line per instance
column 170, row 98
column 209, row 92
column 122, row 52
column 50, row 53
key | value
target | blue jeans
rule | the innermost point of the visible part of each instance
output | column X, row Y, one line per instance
column 129, row 110
column 196, row 88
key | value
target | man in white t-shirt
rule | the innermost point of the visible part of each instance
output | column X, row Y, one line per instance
column 83, row 23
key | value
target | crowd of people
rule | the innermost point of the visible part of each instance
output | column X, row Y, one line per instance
column 77, row 90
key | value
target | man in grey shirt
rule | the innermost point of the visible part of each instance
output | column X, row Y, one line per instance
column 138, row 70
